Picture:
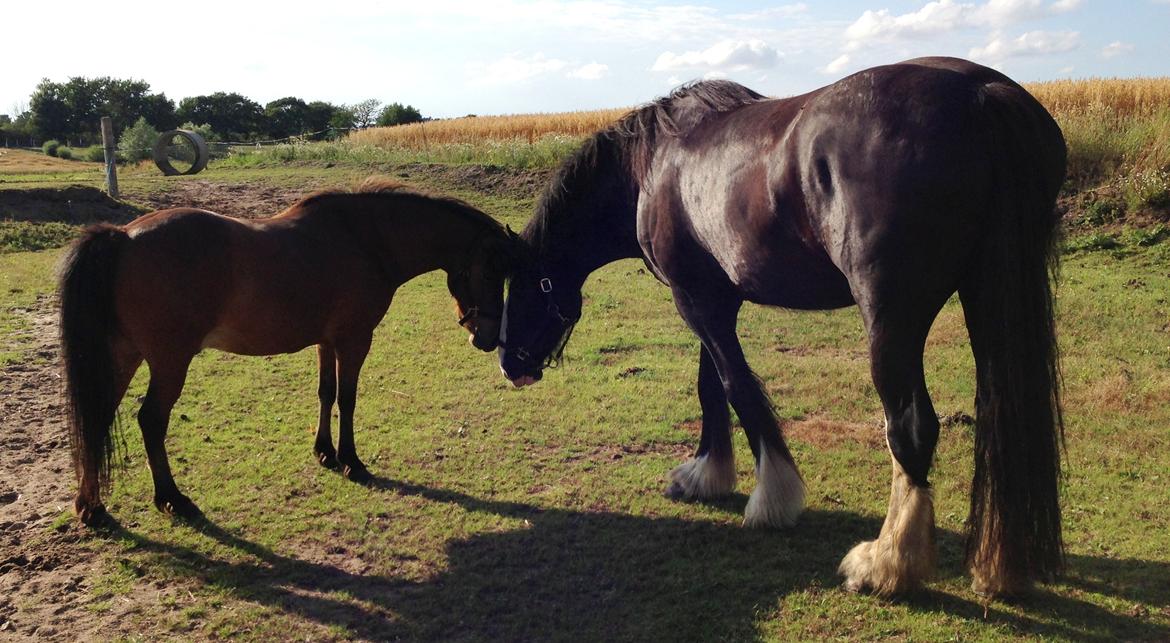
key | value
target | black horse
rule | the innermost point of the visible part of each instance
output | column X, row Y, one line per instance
column 890, row 189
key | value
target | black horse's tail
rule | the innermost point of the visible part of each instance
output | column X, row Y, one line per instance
column 1015, row 527
column 87, row 323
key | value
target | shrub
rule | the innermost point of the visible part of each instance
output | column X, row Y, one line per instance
column 64, row 152
column 94, row 153
column 50, row 147
column 1102, row 211
column 137, row 141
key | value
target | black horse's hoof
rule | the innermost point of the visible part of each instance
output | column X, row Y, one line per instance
column 178, row 506
column 357, row 473
column 327, row 459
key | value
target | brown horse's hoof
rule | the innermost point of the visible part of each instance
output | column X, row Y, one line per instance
column 91, row 515
column 179, row 506
column 357, row 473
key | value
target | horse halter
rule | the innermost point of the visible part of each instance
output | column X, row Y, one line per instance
column 553, row 318
column 473, row 312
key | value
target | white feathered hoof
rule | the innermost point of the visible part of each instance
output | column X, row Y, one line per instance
column 778, row 498
column 702, row 478
column 903, row 556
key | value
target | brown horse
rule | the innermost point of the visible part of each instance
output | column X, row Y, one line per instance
column 322, row 272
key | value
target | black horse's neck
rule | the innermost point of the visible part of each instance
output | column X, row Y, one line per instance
column 586, row 218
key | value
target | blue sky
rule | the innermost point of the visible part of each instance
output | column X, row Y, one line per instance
column 451, row 58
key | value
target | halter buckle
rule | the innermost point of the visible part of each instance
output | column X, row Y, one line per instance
column 546, row 285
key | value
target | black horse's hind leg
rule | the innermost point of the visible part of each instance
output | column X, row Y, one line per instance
column 166, row 384
column 350, row 356
column 903, row 555
column 711, row 473
column 327, row 394
column 778, row 498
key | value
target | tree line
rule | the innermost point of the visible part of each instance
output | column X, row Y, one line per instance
column 71, row 111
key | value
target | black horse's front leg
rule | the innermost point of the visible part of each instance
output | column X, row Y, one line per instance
column 711, row 473
column 778, row 498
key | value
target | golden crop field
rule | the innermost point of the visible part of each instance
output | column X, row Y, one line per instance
column 477, row 129
column 1118, row 96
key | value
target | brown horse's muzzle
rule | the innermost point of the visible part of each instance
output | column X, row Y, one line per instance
column 485, row 335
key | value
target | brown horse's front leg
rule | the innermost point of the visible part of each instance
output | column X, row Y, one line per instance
column 327, row 394
column 350, row 357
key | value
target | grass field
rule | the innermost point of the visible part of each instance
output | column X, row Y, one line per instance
column 538, row 514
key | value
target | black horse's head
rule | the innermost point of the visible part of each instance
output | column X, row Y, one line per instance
column 542, row 308
column 478, row 288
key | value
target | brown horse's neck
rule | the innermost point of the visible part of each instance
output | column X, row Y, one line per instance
column 411, row 236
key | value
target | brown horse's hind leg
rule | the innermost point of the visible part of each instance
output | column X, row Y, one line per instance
column 327, row 394
column 166, row 384
column 88, row 503
column 350, row 357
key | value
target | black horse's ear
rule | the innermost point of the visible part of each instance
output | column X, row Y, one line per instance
column 511, row 235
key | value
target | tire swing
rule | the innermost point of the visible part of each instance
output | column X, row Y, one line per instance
column 164, row 142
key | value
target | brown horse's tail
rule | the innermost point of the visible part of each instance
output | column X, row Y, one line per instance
column 86, row 291
column 1015, row 531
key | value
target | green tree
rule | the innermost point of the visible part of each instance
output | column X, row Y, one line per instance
column 398, row 114
column 365, row 113
column 232, row 116
column 318, row 115
column 50, row 113
column 286, row 117
column 342, row 120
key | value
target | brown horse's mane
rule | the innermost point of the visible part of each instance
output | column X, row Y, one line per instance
column 383, row 187
column 631, row 141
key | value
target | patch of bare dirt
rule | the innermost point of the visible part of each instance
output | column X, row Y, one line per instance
column 43, row 571
column 244, row 200
column 74, row 204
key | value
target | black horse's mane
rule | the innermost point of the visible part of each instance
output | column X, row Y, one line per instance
column 630, row 144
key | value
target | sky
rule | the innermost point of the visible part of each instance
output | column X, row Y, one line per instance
column 456, row 57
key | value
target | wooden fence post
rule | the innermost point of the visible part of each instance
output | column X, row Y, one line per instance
column 111, row 166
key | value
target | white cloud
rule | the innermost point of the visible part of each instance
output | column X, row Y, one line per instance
column 1032, row 43
column 783, row 11
column 590, row 71
column 837, row 65
column 513, row 69
column 728, row 55
column 942, row 16
column 1115, row 49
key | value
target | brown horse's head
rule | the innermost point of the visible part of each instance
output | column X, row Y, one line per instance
column 478, row 287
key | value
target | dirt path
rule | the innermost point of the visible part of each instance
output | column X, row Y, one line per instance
column 43, row 571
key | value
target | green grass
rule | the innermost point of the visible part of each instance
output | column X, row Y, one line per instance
column 22, row 236
column 538, row 514
column 545, row 152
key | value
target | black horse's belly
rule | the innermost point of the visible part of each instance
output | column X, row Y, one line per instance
column 794, row 277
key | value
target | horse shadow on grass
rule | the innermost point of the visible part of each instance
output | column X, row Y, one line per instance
column 602, row 575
